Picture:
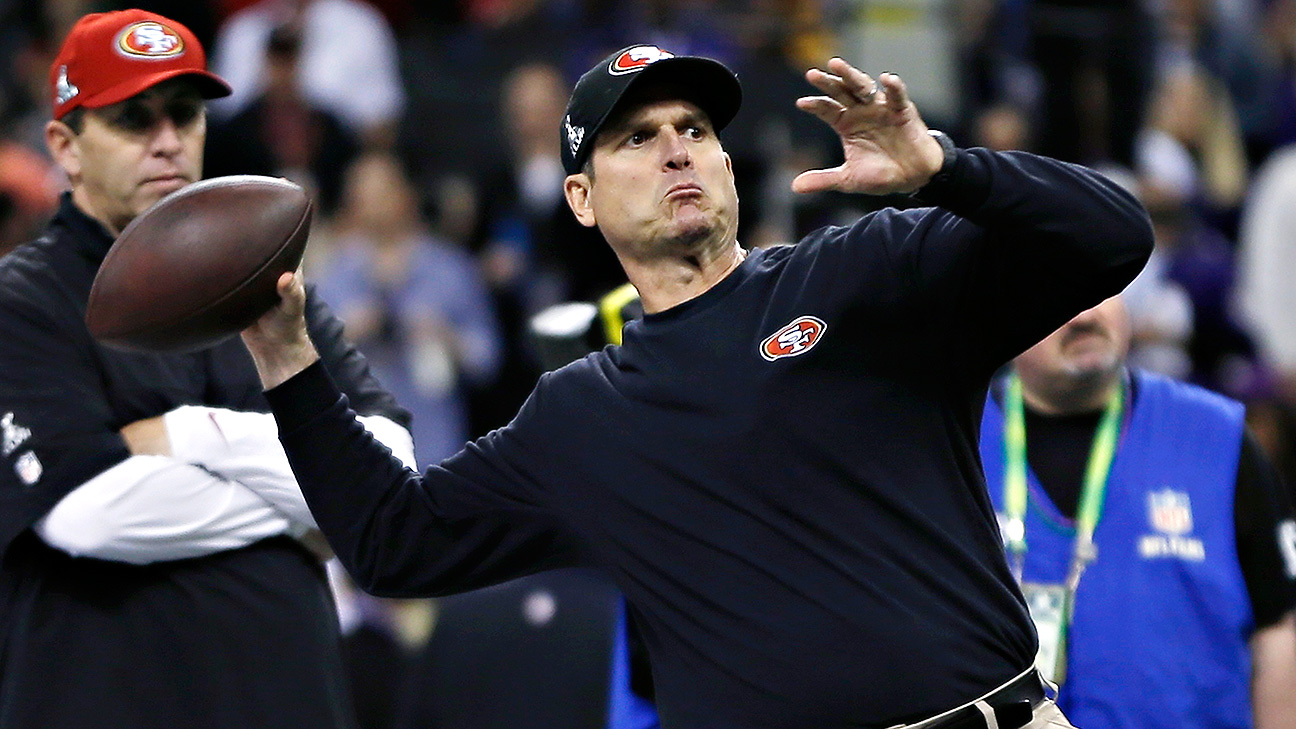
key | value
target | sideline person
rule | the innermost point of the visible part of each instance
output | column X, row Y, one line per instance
column 154, row 567
column 1154, row 541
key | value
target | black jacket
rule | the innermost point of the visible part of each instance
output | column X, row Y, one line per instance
column 241, row 638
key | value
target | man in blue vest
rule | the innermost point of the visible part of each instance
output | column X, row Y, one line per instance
column 1153, row 542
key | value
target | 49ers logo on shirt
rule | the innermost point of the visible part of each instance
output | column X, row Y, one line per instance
column 150, row 39
column 795, row 338
column 634, row 59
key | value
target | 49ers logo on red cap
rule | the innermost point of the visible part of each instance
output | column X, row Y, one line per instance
column 633, row 59
column 150, row 39
column 795, row 338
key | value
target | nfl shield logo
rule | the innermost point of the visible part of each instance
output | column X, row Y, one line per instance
column 1170, row 512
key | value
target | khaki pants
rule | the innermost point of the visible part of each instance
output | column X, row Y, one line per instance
column 1046, row 715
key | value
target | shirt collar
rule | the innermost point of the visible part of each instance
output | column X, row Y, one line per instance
column 707, row 298
column 91, row 238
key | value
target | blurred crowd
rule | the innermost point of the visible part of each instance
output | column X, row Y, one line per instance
column 428, row 135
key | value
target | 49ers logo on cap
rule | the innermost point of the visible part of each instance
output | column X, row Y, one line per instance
column 150, row 39
column 633, row 59
column 795, row 338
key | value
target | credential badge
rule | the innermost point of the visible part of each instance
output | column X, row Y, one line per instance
column 1287, row 545
column 29, row 468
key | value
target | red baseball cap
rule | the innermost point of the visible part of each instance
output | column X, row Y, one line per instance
column 110, row 57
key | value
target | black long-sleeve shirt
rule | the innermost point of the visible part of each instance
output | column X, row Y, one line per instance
column 800, row 525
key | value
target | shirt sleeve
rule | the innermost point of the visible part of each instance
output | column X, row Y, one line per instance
column 1266, row 535
column 244, row 447
column 396, row 437
column 58, row 426
column 477, row 520
column 153, row 509
column 1016, row 245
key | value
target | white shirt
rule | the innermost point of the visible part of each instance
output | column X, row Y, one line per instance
column 226, row 484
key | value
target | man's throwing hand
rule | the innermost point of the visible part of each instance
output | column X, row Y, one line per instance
column 886, row 144
column 279, row 341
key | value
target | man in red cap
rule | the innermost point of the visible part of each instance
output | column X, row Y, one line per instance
column 152, row 572
column 117, row 76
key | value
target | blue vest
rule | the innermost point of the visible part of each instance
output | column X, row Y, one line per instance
column 1162, row 616
column 626, row 709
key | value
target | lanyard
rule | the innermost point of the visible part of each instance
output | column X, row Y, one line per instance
column 1094, row 490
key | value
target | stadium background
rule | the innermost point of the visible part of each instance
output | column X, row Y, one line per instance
column 428, row 134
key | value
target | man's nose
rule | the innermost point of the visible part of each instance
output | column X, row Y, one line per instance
column 166, row 138
column 677, row 153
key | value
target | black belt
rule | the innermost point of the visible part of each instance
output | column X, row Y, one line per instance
column 1013, row 705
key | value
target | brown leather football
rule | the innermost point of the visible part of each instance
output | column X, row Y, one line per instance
column 200, row 265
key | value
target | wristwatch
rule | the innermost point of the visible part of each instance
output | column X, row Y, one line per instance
column 947, row 164
column 950, row 151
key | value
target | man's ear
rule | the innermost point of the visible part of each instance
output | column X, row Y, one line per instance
column 576, row 188
column 64, row 147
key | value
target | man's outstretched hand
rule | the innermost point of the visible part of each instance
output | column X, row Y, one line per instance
column 886, row 144
column 279, row 342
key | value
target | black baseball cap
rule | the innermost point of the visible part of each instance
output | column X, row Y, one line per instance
column 702, row 81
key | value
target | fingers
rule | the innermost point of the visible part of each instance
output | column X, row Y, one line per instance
column 849, row 86
column 859, row 84
column 846, row 84
column 291, row 283
column 833, row 86
column 897, row 94
column 818, row 180
column 279, row 341
column 826, row 109
column 292, row 291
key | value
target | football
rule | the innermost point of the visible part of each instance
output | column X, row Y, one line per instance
column 200, row 265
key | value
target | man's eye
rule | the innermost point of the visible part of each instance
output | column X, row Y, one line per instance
column 183, row 113
column 134, row 118
column 637, row 138
column 695, row 132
